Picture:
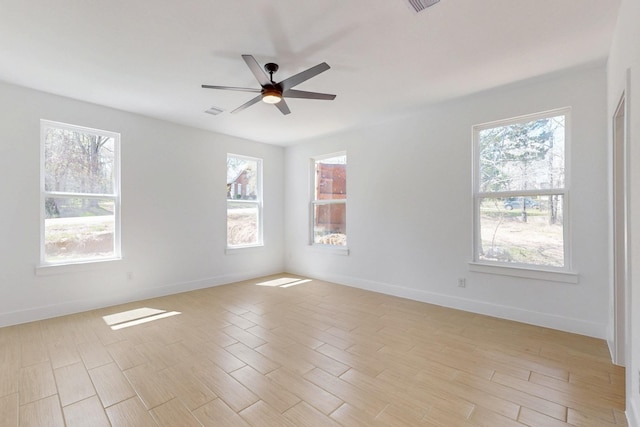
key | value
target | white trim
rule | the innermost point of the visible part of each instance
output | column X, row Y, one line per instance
column 633, row 412
column 330, row 249
column 233, row 250
column 619, row 233
column 133, row 294
column 477, row 195
column 328, row 201
column 116, row 196
column 74, row 267
column 258, row 202
column 567, row 324
column 329, row 156
column 341, row 250
column 525, row 272
column 526, row 117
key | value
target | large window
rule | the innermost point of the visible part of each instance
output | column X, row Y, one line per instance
column 520, row 191
column 244, row 201
column 80, row 194
column 329, row 201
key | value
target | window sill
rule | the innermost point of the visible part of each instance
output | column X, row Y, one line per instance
column 51, row 269
column 523, row 272
column 337, row 250
column 243, row 249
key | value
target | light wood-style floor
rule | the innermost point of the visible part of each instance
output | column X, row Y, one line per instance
column 301, row 353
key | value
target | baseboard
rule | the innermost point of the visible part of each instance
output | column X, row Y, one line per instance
column 546, row 320
column 80, row 305
column 633, row 412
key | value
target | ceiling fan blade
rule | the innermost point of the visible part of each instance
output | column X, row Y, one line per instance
column 296, row 79
column 247, row 104
column 293, row 93
column 242, row 89
column 283, row 107
column 257, row 70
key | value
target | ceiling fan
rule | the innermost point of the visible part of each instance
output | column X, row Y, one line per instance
column 274, row 93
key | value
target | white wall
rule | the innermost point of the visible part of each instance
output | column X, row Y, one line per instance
column 624, row 56
column 409, row 214
column 173, row 210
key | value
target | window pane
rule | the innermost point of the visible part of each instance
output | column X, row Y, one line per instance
column 242, row 178
column 331, row 178
column 330, row 224
column 242, row 224
column 524, row 230
column 78, row 228
column 523, row 156
column 78, row 162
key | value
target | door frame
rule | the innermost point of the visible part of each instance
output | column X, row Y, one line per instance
column 620, row 207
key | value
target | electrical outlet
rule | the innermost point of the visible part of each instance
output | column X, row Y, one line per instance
column 462, row 282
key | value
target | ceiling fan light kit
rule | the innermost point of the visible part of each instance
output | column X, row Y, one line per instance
column 271, row 96
column 274, row 93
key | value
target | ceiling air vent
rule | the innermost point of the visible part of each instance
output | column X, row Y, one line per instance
column 420, row 5
column 214, row 110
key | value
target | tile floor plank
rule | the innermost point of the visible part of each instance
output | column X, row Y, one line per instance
column 110, row 384
column 88, row 412
column 9, row 410
column 42, row 413
column 73, row 383
column 130, row 413
column 36, row 382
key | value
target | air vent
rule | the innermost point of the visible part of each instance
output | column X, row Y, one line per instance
column 214, row 111
column 420, row 5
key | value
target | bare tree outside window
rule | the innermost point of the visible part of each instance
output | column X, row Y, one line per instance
column 520, row 191
column 80, row 193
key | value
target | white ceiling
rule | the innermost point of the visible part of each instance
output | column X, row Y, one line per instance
column 150, row 57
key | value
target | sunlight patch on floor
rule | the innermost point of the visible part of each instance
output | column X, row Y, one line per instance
column 136, row 316
column 296, row 283
column 284, row 282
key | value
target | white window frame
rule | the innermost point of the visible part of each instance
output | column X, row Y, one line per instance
column 116, row 196
column 258, row 202
column 315, row 202
column 533, row 271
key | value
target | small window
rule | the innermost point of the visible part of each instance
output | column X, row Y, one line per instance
column 244, row 201
column 80, row 194
column 329, row 200
column 520, row 191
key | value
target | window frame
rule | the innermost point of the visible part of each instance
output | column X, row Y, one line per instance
column 534, row 271
column 116, row 196
column 258, row 203
column 317, row 202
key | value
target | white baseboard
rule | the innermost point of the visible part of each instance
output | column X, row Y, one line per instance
column 505, row 312
column 546, row 320
column 77, row 306
column 633, row 412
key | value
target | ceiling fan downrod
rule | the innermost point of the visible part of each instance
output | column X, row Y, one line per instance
column 271, row 68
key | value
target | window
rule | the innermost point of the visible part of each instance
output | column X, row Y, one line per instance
column 244, row 201
column 329, row 201
column 80, row 194
column 520, row 191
